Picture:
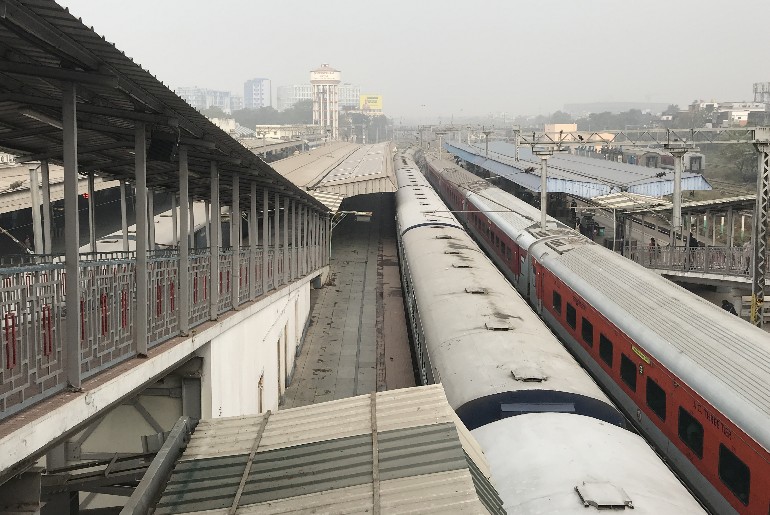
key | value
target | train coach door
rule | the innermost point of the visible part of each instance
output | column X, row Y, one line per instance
column 537, row 273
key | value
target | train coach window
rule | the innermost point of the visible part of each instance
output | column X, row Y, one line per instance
column 557, row 302
column 605, row 349
column 691, row 432
column 628, row 371
column 571, row 315
column 734, row 473
column 656, row 398
column 587, row 329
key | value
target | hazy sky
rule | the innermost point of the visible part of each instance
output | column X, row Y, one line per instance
column 444, row 57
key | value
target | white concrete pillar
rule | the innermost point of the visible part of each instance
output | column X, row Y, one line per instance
column 216, row 227
column 265, row 238
column 124, row 215
column 253, row 242
column 37, row 224
column 151, row 218
column 142, row 312
column 235, row 239
column 286, row 240
column 184, row 243
column 71, row 234
column 46, row 207
column 276, row 240
column 91, row 213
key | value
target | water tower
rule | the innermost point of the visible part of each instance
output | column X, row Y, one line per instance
column 326, row 106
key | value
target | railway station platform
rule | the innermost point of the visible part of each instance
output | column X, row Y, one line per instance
column 357, row 341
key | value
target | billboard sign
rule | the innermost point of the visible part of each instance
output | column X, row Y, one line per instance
column 370, row 102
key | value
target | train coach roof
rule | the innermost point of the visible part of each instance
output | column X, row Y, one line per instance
column 723, row 358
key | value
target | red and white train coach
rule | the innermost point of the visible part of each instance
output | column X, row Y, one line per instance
column 692, row 377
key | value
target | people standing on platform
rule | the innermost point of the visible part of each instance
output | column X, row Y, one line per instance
column 654, row 251
column 729, row 307
column 747, row 251
column 692, row 244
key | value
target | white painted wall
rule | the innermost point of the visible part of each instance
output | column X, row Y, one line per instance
column 234, row 361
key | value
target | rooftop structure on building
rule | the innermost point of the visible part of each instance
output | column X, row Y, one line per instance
column 257, row 93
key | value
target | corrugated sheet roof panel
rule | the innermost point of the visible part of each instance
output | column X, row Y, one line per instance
column 321, row 458
column 577, row 175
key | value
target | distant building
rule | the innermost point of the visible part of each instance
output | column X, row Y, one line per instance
column 552, row 129
column 326, row 107
column 286, row 132
column 762, row 92
column 349, row 95
column 236, row 102
column 257, row 93
column 201, row 98
column 290, row 95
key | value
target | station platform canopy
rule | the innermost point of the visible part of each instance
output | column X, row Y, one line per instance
column 48, row 53
column 577, row 175
column 635, row 203
column 399, row 451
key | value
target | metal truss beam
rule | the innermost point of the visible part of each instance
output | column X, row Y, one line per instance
column 644, row 137
column 92, row 109
column 759, row 235
column 50, row 72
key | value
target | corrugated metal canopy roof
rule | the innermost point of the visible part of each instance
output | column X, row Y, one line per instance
column 323, row 456
column 45, row 48
column 577, row 175
column 632, row 202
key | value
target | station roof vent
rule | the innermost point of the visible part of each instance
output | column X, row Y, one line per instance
column 529, row 373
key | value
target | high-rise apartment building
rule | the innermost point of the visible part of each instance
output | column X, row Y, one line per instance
column 257, row 93
column 201, row 98
column 290, row 95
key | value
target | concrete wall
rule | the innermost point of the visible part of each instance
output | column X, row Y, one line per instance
column 256, row 355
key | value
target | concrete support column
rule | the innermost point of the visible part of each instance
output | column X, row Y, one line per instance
column 294, row 239
column 91, row 213
column 235, row 239
column 286, row 240
column 184, row 243
column 329, row 239
column 713, row 229
column 151, row 218
column 305, row 240
column 140, row 169
column 207, row 210
column 216, row 227
column 124, row 215
column 37, row 224
column 46, row 207
column 190, row 206
column 265, row 238
column 276, row 238
column 730, row 227
column 71, row 235
column 253, row 242
column 174, row 224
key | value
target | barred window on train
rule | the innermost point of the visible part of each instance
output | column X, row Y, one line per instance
column 628, row 371
column 605, row 349
column 557, row 302
column 734, row 474
column 656, row 398
column 571, row 316
column 691, row 432
column 587, row 330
